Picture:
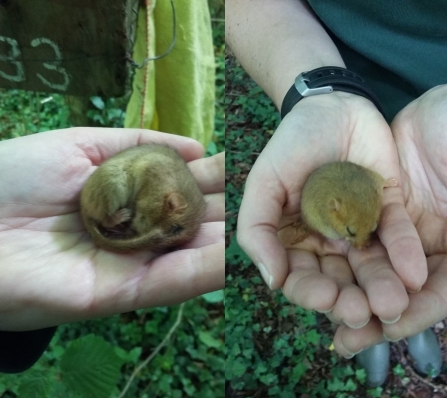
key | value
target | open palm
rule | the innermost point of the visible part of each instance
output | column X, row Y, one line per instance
column 319, row 274
column 50, row 271
column 420, row 131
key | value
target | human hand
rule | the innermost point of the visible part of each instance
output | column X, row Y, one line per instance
column 420, row 134
column 50, row 271
column 317, row 273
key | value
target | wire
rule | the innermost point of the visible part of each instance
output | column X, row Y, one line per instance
column 171, row 46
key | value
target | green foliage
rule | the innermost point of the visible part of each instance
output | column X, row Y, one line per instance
column 23, row 113
column 250, row 118
column 109, row 112
column 79, row 363
column 90, row 367
column 217, row 10
column 399, row 371
column 360, row 375
column 285, row 357
column 214, row 297
column 34, row 386
column 218, row 142
column 256, row 107
column 375, row 392
column 248, row 368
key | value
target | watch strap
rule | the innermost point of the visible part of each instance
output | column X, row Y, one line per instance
column 325, row 80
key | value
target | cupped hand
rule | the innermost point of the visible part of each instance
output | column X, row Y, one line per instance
column 317, row 273
column 51, row 272
column 420, row 132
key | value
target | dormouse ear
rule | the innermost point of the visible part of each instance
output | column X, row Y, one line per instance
column 174, row 203
column 334, row 204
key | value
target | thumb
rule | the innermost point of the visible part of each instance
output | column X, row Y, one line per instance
column 258, row 223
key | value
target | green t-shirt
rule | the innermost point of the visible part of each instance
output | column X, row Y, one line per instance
column 399, row 47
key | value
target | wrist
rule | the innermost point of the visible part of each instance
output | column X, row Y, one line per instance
column 335, row 111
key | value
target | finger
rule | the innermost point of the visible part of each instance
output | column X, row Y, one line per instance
column 208, row 234
column 100, row 144
column 306, row 286
column 215, row 207
column 351, row 307
column 180, row 276
column 349, row 342
column 386, row 294
column 400, row 237
column 210, row 173
column 102, row 283
column 257, row 228
column 426, row 307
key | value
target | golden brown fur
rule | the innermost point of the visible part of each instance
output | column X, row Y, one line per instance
column 342, row 200
column 146, row 193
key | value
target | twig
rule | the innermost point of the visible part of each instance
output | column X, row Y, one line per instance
column 229, row 214
column 253, row 153
column 436, row 387
column 156, row 351
column 408, row 368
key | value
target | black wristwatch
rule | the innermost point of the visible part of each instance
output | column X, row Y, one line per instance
column 325, row 80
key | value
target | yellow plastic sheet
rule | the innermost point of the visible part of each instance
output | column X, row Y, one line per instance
column 174, row 94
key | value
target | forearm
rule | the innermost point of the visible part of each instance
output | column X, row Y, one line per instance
column 277, row 40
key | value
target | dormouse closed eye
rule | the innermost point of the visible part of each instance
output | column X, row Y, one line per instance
column 350, row 232
column 176, row 229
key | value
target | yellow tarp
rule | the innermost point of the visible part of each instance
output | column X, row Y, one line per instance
column 174, row 94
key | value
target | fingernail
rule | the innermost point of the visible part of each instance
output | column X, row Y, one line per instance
column 348, row 356
column 325, row 312
column 414, row 291
column 351, row 355
column 390, row 339
column 387, row 322
column 357, row 326
column 265, row 275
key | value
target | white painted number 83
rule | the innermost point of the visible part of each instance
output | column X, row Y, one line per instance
column 20, row 74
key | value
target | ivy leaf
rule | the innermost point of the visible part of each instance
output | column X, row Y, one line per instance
column 234, row 253
column 350, row 385
column 269, row 379
column 360, row 375
column 212, row 148
column 214, row 297
column 114, row 113
column 90, row 367
column 299, row 370
column 335, row 385
column 128, row 356
column 399, row 370
column 98, row 118
column 236, row 369
column 207, row 339
column 98, row 102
